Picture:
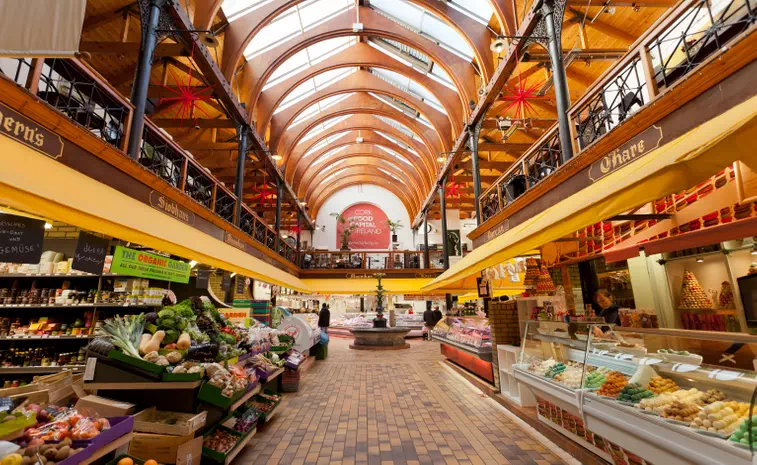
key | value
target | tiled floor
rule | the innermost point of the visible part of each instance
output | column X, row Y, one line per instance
column 386, row 408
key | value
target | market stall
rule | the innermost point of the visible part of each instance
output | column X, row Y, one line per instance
column 467, row 342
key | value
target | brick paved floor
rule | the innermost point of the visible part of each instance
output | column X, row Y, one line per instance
column 384, row 408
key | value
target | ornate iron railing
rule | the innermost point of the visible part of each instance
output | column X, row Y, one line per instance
column 384, row 260
column 683, row 39
column 79, row 92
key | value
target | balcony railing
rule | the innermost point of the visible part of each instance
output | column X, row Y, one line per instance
column 388, row 260
column 671, row 50
column 80, row 93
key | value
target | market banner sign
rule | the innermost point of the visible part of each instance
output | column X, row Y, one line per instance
column 632, row 150
column 140, row 264
column 21, row 239
column 41, row 28
column 25, row 131
column 371, row 231
column 90, row 253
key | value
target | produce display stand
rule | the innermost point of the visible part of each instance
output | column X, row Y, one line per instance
column 119, row 446
column 216, row 457
column 238, row 403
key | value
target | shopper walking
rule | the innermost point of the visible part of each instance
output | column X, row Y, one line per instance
column 430, row 321
column 324, row 319
column 437, row 315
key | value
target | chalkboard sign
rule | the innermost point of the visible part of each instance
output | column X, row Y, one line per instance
column 20, row 239
column 226, row 283
column 90, row 253
column 240, row 284
column 203, row 278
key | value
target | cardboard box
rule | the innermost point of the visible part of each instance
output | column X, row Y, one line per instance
column 181, row 450
column 147, row 421
column 104, row 407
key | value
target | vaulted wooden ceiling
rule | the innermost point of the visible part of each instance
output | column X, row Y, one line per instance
column 345, row 105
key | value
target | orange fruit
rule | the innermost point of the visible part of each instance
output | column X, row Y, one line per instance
column 126, row 461
column 151, row 462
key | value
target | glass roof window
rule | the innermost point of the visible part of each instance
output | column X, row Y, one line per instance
column 313, row 85
column 308, row 57
column 394, row 154
column 332, row 176
column 323, row 143
column 437, row 73
column 328, row 155
column 478, row 10
column 318, row 107
column 426, row 24
column 399, row 126
column 409, row 86
column 234, row 9
column 294, row 22
column 398, row 142
column 319, row 128
column 403, row 108
column 390, row 174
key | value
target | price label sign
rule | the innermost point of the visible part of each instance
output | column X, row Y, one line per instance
column 20, row 239
column 90, row 253
column 203, row 279
column 226, row 282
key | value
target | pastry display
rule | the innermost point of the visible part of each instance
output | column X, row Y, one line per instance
column 660, row 385
column 742, row 436
column 661, row 402
column 540, row 367
column 712, row 396
column 615, row 382
column 725, row 299
column 692, row 294
column 571, row 377
column 721, row 417
column 681, row 411
column 634, row 392
column 544, row 284
column 596, row 378
column 532, row 273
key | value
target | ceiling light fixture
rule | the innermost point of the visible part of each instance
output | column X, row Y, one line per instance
column 233, row 274
column 440, row 159
column 498, row 45
column 48, row 226
column 700, row 260
column 192, row 264
column 276, row 157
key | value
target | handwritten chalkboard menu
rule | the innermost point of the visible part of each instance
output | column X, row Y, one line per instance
column 20, row 239
column 240, row 284
column 90, row 253
column 203, row 278
column 226, row 283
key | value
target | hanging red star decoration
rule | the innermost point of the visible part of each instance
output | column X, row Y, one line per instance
column 452, row 190
column 294, row 230
column 187, row 96
column 520, row 96
column 265, row 192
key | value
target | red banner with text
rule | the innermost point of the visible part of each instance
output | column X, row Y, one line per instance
column 370, row 228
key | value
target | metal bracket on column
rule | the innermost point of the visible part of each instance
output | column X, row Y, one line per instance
column 165, row 23
column 539, row 35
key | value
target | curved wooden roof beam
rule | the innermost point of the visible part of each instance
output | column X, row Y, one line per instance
column 259, row 69
column 368, row 165
column 362, row 82
column 370, row 138
column 389, row 183
column 361, row 122
column 353, row 150
column 360, row 55
column 334, row 188
column 356, row 104
column 243, row 30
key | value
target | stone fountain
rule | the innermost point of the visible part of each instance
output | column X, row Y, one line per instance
column 379, row 337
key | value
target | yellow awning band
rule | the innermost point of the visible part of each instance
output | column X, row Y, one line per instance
column 676, row 166
column 366, row 286
column 497, row 293
column 32, row 182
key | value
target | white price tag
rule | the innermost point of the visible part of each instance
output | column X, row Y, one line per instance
column 89, row 369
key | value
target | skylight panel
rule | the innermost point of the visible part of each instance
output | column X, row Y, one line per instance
column 399, row 126
column 283, row 28
column 479, row 10
column 332, row 176
column 390, row 174
column 313, row 85
column 409, row 86
column 324, row 142
column 439, row 75
column 394, row 154
column 329, row 154
column 318, row 107
column 438, row 29
column 316, row 12
column 234, row 9
column 319, row 128
column 308, row 57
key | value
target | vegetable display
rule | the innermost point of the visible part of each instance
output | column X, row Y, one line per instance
column 126, row 332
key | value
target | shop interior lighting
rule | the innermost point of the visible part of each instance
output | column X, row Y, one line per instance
column 233, row 274
column 48, row 226
column 276, row 157
column 700, row 260
column 440, row 159
column 192, row 264
column 754, row 249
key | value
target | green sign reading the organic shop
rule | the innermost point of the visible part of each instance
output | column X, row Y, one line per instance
column 132, row 262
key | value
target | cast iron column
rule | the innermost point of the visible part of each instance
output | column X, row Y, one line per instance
column 426, row 259
column 142, row 80
column 559, row 79
column 473, row 133
column 277, row 226
column 443, row 208
column 299, row 225
column 239, row 180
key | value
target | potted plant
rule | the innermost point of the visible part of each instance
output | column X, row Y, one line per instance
column 379, row 321
column 347, row 228
column 394, row 226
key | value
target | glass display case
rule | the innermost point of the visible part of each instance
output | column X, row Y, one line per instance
column 664, row 396
column 466, row 340
column 413, row 321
